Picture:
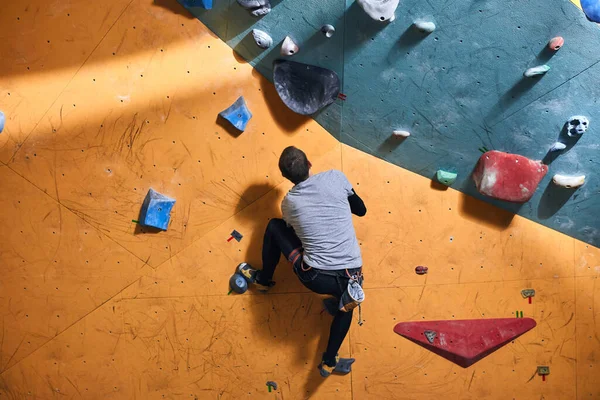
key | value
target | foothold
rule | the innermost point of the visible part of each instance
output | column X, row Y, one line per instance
column 568, row 182
column 421, row 270
column 527, row 293
column 445, row 177
column 430, row 335
column 536, row 71
column 238, row 283
column 508, row 177
column 237, row 114
column 380, row 10
column 465, row 342
column 262, row 38
column 257, row 8
column 206, row 4
column 558, row 146
column 424, row 26
column 343, row 366
column 577, row 125
column 403, row 134
column 543, row 370
column 289, row 47
column 591, row 8
column 305, row 89
column 235, row 235
column 2, row 121
column 272, row 384
column 156, row 210
column 556, row 43
column 328, row 30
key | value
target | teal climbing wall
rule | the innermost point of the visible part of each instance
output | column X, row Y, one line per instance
column 456, row 90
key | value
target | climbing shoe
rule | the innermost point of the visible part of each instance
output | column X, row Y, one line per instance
column 342, row 366
column 253, row 276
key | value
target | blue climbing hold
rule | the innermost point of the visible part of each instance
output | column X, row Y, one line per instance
column 238, row 114
column 156, row 210
column 591, row 8
column 238, row 283
column 2, row 121
column 206, row 4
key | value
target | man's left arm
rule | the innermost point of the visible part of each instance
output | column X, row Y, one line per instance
column 357, row 206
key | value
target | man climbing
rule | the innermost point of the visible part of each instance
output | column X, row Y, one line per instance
column 317, row 237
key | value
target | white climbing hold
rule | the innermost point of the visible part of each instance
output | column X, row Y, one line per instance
column 328, row 30
column 568, row 182
column 400, row 134
column 535, row 71
column 558, row 146
column 380, row 10
column 425, row 26
column 289, row 47
column 577, row 125
column 262, row 38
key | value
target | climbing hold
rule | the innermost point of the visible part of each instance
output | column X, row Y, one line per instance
column 401, row 134
column 424, row 26
column 235, row 235
column 237, row 114
column 536, row 71
column 568, row 182
column 343, row 365
column 206, row 4
column 543, row 371
column 556, row 43
column 380, row 10
column 464, row 342
column 421, row 270
column 508, row 177
column 305, row 89
column 558, row 146
column 272, row 384
column 156, row 210
column 238, row 283
column 577, row 125
column 445, row 177
column 289, row 47
column 2, row 121
column 328, row 30
column 262, row 38
column 257, row 8
column 526, row 293
column 591, row 8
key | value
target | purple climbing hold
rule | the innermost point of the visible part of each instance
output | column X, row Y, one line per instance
column 2, row 121
column 237, row 114
column 591, row 8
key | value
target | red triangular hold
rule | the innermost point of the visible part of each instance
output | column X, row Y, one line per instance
column 464, row 342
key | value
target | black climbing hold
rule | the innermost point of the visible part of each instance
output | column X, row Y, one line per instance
column 238, row 283
column 305, row 89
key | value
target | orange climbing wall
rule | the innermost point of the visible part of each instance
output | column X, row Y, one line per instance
column 124, row 97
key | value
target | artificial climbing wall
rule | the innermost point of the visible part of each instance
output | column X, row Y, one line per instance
column 457, row 90
column 107, row 99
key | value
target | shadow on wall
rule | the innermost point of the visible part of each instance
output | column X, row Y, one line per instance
column 482, row 212
column 553, row 198
column 175, row 7
column 563, row 137
column 303, row 324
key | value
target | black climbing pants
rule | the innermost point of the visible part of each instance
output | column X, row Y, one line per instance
column 281, row 239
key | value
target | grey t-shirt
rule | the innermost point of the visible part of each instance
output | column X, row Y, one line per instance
column 319, row 212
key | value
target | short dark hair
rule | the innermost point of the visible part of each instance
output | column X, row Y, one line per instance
column 294, row 165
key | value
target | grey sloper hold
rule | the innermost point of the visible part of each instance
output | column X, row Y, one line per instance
column 262, row 38
column 289, row 47
column 380, row 10
column 256, row 7
column 305, row 89
column 328, row 30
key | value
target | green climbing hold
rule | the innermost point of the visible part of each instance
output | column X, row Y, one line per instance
column 445, row 177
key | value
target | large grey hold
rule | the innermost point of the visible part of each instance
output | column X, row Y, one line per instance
column 262, row 38
column 305, row 89
column 256, row 7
